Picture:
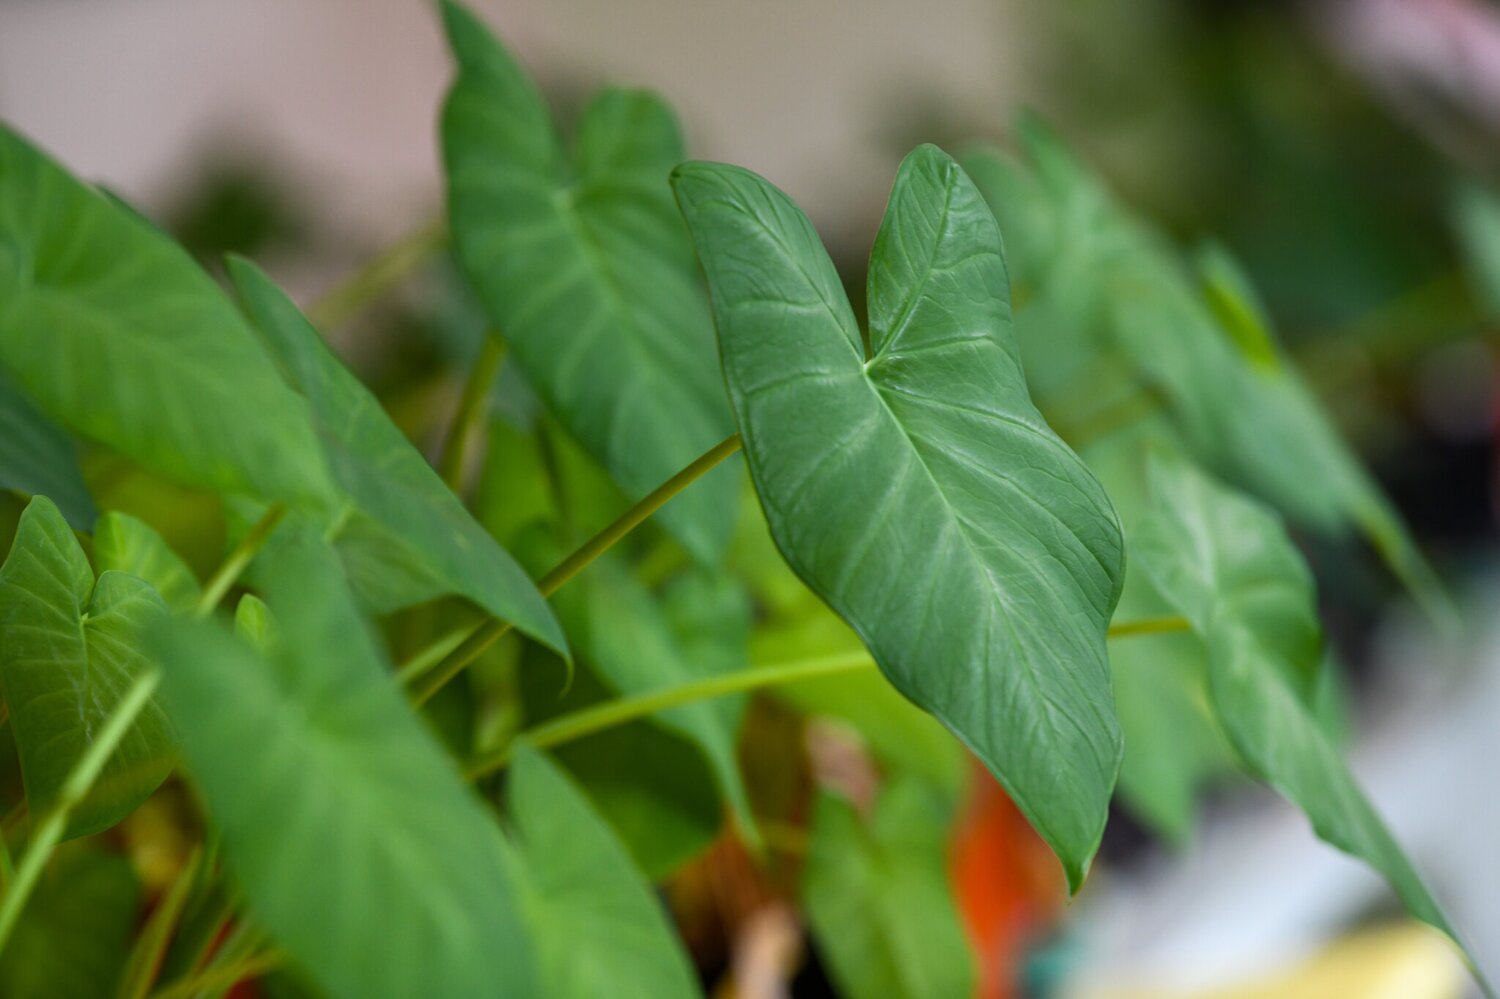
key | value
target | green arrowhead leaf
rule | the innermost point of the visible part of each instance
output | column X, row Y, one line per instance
column 326, row 787
column 918, row 491
column 407, row 538
column 116, row 333
column 598, row 928
column 1224, row 562
column 877, row 896
column 37, row 458
column 73, row 937
column 583, row 265
column 125, row 544
column 70, row 647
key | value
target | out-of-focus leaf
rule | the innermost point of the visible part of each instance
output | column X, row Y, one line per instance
column 513, row 491
column 598, row 929
column 1115, row 308
column 114, row 332
column 1224, row 562
column 70, row 647
column 877, row 895
column 253, row 623
column 639, row 643
column 652, row 786
column 917, row 490
column 326, row 787
column 73, row 936
column 1174, row 745
column 406, row 538
column 1476, row 216
column 583, row 265
column 38, row 459
column 901, row 736
column 126, row 544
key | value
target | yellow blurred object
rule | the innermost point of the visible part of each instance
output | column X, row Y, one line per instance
column 1399, row 961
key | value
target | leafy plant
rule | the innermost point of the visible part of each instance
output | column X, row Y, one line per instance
column 935, row 557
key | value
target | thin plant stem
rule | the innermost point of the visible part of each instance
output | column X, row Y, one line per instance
column 236, row 562
column 75, row 788
column 218, row 977
column 593, row 719
column 1149, row 626
column 470, row 411
column 379, row 275
column 486, row 633
column 578, row 724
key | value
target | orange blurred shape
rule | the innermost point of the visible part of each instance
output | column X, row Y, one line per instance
column 1008, row 885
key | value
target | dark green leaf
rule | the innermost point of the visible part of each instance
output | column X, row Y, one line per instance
column 39, row 459
column 583, row 265
column 1224, row 562
column 406, row 537
column 327, row 787
column 125, row 544
column 69, row 649
column 73, row 936
column 117, row 334
column 652, row 786
column 638, row 643
column 877, row 897
column 918, row 491
column 599, row 930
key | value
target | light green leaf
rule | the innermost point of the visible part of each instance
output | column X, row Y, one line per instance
column 254, row 625
column 583, row 265
column 73, row 937
column 126, row 544
column 114, row 332
column 918, row 491
column 1224, row 562
column 70, row 647
column 599, row 931
column 407, row 538
column 39, row 459
column 877, row 896
column 326, row 787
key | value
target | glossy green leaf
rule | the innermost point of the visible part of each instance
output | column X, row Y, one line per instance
column 114, row 332
column 406, row 538
column 70, row 647
column 126, row 544
column 918, row 491
column 73, row 937
column 583, row 265
column 38, row 459
column 325, row 786
column 877, row 896
column 1225, row 563
column 598, row 928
